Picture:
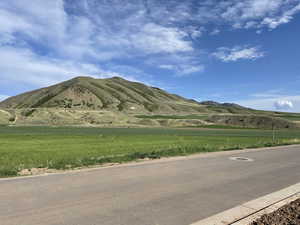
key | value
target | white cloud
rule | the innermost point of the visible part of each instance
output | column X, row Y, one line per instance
column 273, row 93
column 34, row 19
column 215, row 32
column 168, row 67
column 154, row 38
column 236, row 53
column 251, row 9
column 267, row 103
column 3, row 97
column 196, row 34
column 287, row 16
column 84, row 33
column 78, row 36
column 260, row 13
column 49, row 41
column 183, row 70
column 246, row 14
column 29, row 68
column 178, row 64
column 283, row 104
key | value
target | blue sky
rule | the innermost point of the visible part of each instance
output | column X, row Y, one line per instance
column 245, row 52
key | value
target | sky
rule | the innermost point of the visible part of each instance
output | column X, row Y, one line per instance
column 241, row 51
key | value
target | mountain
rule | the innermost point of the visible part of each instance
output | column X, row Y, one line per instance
column 119, row 102
column 217, row 104
column 114, row 94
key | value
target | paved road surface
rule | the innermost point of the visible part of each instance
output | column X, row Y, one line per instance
column 166, row 192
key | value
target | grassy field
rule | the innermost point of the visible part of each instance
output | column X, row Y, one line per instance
column 192, row 116
column 288, row 116
column 291, row 117
column 61, row 148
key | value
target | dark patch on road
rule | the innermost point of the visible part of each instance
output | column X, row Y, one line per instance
column 241, row 159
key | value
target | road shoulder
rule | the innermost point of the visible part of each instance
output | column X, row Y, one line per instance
column 247, row 212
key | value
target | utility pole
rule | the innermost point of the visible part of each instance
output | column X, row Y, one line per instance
column 273, row 131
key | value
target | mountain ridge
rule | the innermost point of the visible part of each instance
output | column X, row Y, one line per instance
column 118, row 102
column 85, row 92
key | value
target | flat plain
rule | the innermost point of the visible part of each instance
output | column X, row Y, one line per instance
column 72, row 147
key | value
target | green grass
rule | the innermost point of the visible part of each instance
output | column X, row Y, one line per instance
column 288, row 116
column 291, row 117
column 66, row 147
column 220, row 126
column 192, row 116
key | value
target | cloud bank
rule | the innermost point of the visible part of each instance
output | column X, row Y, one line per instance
column 3, row 97
column 226, row 54
column 43, row 42
column 283, row 104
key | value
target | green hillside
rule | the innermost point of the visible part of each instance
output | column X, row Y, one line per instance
column 87, row 101
column 114, row 94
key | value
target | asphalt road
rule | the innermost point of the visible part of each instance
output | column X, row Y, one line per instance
column 165, row 192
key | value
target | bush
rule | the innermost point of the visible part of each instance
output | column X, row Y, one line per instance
column 8, row 172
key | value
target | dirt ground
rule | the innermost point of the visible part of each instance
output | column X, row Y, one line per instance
column 286, row 215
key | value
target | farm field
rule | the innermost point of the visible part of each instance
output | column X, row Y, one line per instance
column 192, row 116
column 292, row 117
column 72, row 147
column 287, row 116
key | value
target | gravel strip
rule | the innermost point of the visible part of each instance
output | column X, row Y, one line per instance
column 286, row 215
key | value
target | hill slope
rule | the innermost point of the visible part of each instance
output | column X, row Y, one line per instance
column 119, row 102
column 115, row 94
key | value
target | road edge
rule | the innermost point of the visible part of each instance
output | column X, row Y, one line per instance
column 269, row 209
column 153, row 161
column 247, row 212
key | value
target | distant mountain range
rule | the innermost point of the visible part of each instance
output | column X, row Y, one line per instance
column 119, row 102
